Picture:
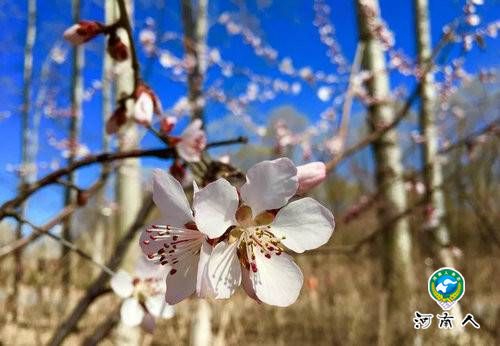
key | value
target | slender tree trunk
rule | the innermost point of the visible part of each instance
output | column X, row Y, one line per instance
column 194, row 22
column 433, row 175
column 128, row 188
column 396, row 249
column 26, row 165
column 103, row 230
column 74, row 139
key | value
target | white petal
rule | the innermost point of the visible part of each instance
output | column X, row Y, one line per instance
column 278, row 279
column 170, row 198
column 121, row 283
column 224, row 270
column 131, row 312
column 203, row 287
column 270, row 184
column 182, row 283
column 246, row 281
column 304, row 223
column 158, row 307
column 215, row 208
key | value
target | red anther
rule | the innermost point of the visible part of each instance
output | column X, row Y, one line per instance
column 268, row 255
column 173, row 271
column 254, row 267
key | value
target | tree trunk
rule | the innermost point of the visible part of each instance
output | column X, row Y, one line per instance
column 128, row 188
column 396, row 249
column 194, row 22
column 26, row 164
column 103, row 232
column 432, row 169
column 76, row 91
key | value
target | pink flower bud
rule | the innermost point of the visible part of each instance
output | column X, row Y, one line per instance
column 143, row 109
column 310, row 175
column 167, row 124
column 83, row 31
column 116, row 48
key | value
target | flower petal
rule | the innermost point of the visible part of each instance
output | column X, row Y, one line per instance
column 170, row 198
column 278, row 279
column 182, row 283
column 305, row 224
column 270, row 184
column 203, row 287
column 215, row 208
column 131, row 312
column 158, row 307
column 148, row 323
column 193, row 142
column 224, row 270
column 246, row 281
column 121, row 283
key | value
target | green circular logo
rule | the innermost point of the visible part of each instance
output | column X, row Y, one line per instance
column 446, row 287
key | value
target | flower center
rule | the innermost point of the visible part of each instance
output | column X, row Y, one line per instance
column 257, row 238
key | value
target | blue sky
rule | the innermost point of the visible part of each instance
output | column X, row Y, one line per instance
column 284, row 25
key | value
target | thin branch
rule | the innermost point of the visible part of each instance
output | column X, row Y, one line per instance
column 104, row 328
column 60, row 217
column 53, row 177
column 69, row 245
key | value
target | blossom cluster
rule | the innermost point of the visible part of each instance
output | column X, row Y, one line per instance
column 234, row 236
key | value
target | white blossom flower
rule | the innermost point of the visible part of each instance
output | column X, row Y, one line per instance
column 192, row 142
column 254, row 252
column 175, row 241
column 143, row 300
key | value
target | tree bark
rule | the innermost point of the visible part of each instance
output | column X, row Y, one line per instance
column 194, row 22
column 432, row 169
column 26, row 164
column 76, row 91
column 396, row 248
column 128, row 190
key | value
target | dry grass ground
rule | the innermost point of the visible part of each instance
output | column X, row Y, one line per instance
column 339, row 305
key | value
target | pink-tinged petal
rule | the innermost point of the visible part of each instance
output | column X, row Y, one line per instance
column 158, row 307
column 170, row 198
column 193, row 142
column 246, row 281
column 82, row 32
column 278, row 279
column 148, row 323
column 310, row 175
column 121, row 284
column 270, row 184
column 304, row 224
column 131, row 312
column 181, row 280
column 224, row 270
column 215, row 208
column 203, row 288
column 143, row 109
